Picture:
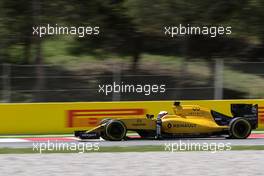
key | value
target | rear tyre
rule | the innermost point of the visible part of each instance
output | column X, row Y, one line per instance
column 239, row 128
column 115, row 130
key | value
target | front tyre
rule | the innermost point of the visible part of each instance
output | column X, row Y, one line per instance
column 239, row 128
column 103, row 134
column 115, row 130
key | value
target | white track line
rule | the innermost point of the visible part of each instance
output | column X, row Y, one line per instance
column 4, row 140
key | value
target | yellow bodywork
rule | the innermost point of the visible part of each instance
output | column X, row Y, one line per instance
column 190, row 119
column 186, row 119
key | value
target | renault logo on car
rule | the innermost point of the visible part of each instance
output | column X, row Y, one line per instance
column 195, row 108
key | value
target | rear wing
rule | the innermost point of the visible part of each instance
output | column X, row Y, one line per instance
column 248, row 111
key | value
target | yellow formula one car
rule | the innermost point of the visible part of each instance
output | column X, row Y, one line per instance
column 187, row 121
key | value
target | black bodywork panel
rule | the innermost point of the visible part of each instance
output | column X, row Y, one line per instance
column 247, row 111
column 91, row 135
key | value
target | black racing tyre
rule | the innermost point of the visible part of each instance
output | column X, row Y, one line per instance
column 239, row 128
column 115, row 130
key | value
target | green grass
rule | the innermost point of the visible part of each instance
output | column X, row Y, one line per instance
column 102, row 149
column 253, row 147
column 57, row 51
column 258, row 131
column 150, row 148
column 249, row 83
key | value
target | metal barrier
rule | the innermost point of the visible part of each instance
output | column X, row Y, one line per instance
column 182, row 80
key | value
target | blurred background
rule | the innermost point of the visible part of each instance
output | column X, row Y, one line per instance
column 132, row 49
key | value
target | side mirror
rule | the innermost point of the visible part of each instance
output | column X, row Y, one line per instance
column 149, row 116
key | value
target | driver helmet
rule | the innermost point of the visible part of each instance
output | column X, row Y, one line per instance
column 162, row 113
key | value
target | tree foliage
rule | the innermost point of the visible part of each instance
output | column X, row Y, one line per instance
column 127, row 27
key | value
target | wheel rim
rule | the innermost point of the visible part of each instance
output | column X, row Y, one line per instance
column 241, row 129
column 116, row 130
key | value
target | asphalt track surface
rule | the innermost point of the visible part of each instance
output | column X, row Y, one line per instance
column 235, row 163
column 22, row 143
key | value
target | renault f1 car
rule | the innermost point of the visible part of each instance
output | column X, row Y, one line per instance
column 187, row 121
